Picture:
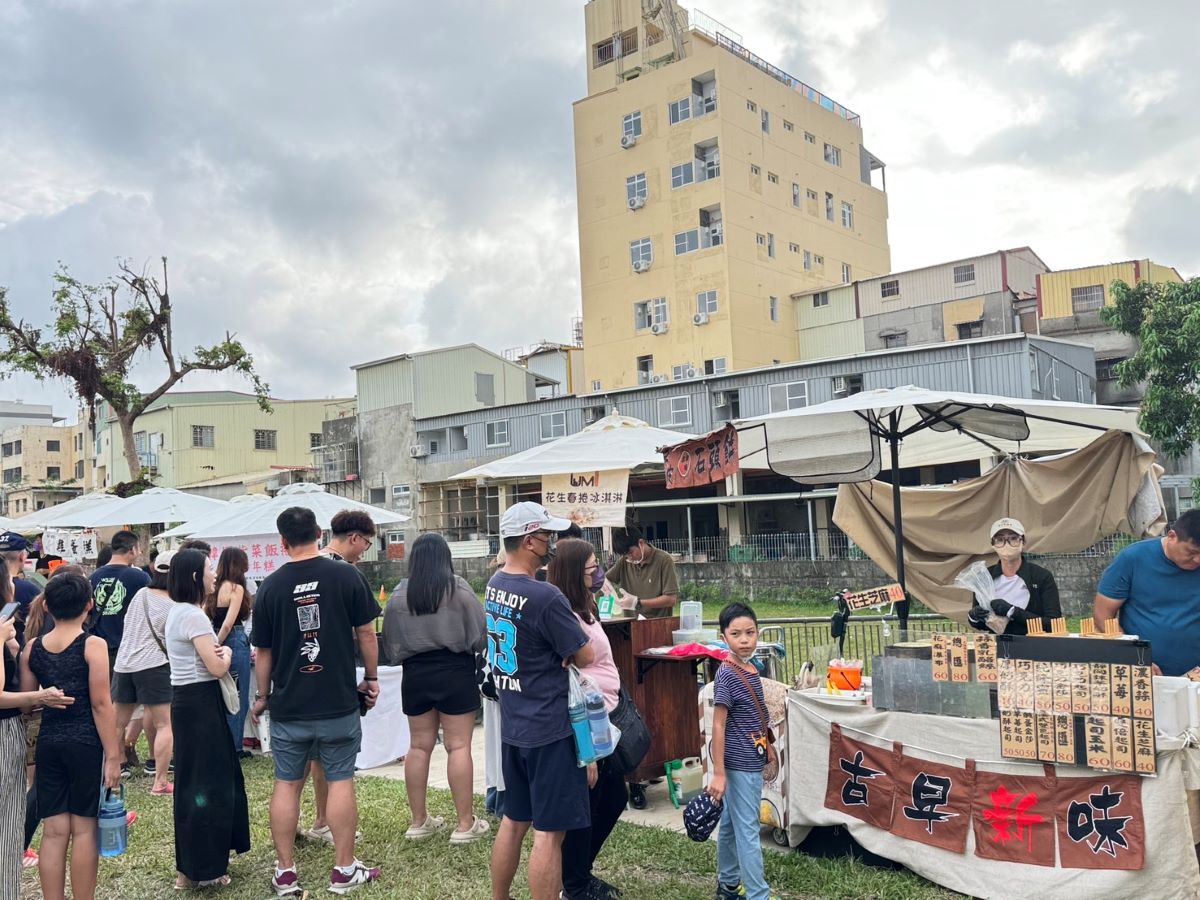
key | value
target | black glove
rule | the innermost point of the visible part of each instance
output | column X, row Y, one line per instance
column 977, row 618
column 1001, row 607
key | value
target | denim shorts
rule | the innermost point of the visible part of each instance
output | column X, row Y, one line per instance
column 334, row 743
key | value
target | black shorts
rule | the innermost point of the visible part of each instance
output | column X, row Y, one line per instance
column 151, row 687
column 439, row 680
column 546, row 786
column 68, row 779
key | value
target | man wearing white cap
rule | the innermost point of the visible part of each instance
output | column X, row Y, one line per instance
column 532, row 636
column 1023, row 590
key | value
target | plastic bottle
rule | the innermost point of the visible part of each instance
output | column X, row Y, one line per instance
column 578, row 710
column 114, row 832
column 598, row 724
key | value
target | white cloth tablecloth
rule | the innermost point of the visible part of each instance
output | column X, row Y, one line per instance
column 385, row 735
column 1170, row 870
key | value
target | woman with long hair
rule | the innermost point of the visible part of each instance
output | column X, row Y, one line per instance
column 229, row 608
column 211, row 816
column 434, row 625
column 575, row 571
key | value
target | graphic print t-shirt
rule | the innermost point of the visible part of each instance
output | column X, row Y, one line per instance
column 305, row 613
column 531, row 630
column 113, row 586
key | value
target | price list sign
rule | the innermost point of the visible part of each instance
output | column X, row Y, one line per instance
column 1073, row 702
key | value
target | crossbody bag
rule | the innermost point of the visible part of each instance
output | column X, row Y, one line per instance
column 762, row 742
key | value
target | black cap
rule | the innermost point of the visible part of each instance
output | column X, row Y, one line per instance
column 11, row 542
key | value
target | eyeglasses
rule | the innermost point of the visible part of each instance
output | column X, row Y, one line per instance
column 547, row 536
column 367, row 542
column 1014, row 541
column 587, row 570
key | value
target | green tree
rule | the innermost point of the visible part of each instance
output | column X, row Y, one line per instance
column 1165, row 318
column 98, row 333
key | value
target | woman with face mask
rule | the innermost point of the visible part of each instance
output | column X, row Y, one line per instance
column 1023, row 590
column 575, row 571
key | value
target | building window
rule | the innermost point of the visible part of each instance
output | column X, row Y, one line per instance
column 793, row 395
column 687, row 241
column 1106, row 369
column 596, row 385
column 752, row 106
column 645, row 369
column 79, row 470
column 833, row 155
column 706, row 302
column 609, row 49
column 315, row 440
column 53, row 473
column 641, row 251
column 631, row 125
column 496, row 433
column 53, row 446
column 203, row 436
column 809, row 137
column 845, row 273
column 678, row 373
column 829, row 206
column 964, row 274
column 760, row 239
column 773, row 308
column 264, row 439
column 818, row 260
column 770, row 245
column 552, row 425
column 897, row 339
column 811, row 194
column 714, row 366
column 967, row 330
column 708, row 161
column 820, row 299
column 766, row 122
column 635, row 186
column 680, row 110
column 1083, row 299
column 795, row 195
column 847, row 215
column 401, row 499
column 889, row 288
column 377, row 496
column 650, row 312
column 794, row 248
column 755, row 170
column 683, row 174
column 674, row 411
column 788, row 126
column 772, row 178
column 845, row 385
column 807, row 260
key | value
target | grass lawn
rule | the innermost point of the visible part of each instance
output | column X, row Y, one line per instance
column 646, row 862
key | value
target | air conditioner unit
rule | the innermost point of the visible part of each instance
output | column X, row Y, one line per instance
column 628, row 140
column 720, row 398
column 691, row 372
column 700, row 319
column 641, row 265
column 658, row 328
column 416, row 451
column 637, row 201
column 657, row 379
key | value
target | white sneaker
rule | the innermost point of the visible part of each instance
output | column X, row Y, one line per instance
column 477, row 830
column 325, row 833
column 431, row 826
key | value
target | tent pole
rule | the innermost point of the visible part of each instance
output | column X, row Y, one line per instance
column 691, row 551
column 812, row 533
column 898, row 526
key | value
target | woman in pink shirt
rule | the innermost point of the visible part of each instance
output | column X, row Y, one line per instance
column 575, row 572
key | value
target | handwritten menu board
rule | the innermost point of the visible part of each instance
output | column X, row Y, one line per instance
column 1072, row 702
column 985, row 658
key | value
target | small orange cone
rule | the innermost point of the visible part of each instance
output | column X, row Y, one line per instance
column 382, row 594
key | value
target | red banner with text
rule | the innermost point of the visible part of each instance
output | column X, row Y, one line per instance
column 705, row 460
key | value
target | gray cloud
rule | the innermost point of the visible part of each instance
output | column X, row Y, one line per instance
column 1163, row 222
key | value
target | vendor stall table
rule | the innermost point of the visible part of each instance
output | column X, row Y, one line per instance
column 1170, row 862
column 666, row 691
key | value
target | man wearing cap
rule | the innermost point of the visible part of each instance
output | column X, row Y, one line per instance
column 1023, row 590
column 532, row 636
column 14, row 549
column 1152, row 588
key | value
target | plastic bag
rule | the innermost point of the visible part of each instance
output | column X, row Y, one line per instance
column 595, row 737
column 976, row 579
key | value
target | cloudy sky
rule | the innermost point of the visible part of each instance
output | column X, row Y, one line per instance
column 338, row 181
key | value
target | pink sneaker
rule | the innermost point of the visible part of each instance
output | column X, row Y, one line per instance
column 342, row 883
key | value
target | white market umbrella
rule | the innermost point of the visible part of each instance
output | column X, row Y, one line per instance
column 842, row 441
column 614, row 442
column 150, row 507
column 187, row 528
column 254, row 519
column 65, row 515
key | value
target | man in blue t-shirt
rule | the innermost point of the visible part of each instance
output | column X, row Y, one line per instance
column 1153, row 589
column 532, row 636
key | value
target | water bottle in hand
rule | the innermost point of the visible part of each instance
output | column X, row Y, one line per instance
column 114, row 832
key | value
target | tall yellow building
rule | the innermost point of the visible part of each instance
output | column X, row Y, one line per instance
column 711, row 186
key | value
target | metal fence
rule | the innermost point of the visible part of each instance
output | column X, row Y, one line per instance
column 808, row 638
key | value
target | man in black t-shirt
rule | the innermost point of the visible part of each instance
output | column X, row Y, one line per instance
column 13, row 550
column 113, row 586
column 308, row 615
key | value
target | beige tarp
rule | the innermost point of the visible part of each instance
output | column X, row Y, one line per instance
column 1066, row 504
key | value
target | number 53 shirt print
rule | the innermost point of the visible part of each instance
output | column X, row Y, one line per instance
column 531, row 630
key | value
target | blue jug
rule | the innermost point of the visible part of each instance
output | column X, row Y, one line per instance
column 114, row 832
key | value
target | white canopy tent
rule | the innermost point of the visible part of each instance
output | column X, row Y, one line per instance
column 242, row 501
column 255, row 519
column 147, row 508
column 64, row 515
column 613, row 442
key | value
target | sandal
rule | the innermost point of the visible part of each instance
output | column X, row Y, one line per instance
column 431, row 826
column 477, row 830
column 165, row 791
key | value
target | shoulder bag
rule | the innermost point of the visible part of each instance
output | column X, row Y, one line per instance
column 764, row 749
column 635, row 736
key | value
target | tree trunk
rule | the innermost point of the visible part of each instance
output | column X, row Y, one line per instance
column 129, row 448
